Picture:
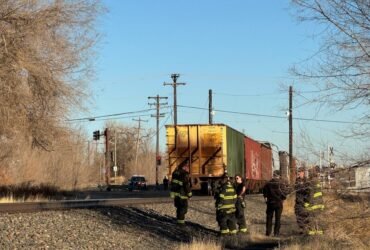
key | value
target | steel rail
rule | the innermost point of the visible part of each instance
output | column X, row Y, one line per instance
column 26, row 207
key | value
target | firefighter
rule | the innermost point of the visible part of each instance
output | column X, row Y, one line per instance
column 274, row 192
column 315, row 204
column 181, row 191
column 240, row 189
column 225, row 207
column 302, row 190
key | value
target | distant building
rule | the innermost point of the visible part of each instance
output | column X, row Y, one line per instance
column 357, row 176
column 362, row 175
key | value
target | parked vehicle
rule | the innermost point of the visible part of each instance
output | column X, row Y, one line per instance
column 137, row 182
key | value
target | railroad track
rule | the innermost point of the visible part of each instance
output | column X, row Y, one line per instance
column 26, row 207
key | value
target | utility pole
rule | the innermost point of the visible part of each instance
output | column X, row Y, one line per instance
column 157, row 115
column 210, row 108
column 138, row 138
column 174, row 85
column 291, row 166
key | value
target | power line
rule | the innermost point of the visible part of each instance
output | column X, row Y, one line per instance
column 275, row 116
column 110, row 115
column 229, row 94
column 93, row 118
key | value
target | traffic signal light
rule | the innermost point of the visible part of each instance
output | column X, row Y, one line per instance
column 159, row 160
column 96, row 135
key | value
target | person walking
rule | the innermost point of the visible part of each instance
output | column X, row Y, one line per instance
column 240, row 189
column 181, row 191
column 225, row 207
column 274, row 192
column 302, row 192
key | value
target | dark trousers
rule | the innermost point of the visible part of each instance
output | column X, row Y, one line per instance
column 226, row 221
column 302, row 217
column 239, row 214
column 272, row 208
column 181, row 208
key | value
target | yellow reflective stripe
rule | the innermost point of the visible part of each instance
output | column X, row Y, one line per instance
column 229, row 197
column 230, row 211
column 306, row 204
column 318, row 185
column 174, row 194
column 177, row 181
column 181, row 221
column 321, row 206
column 225, row 231
column 317, row 194
column 190, row 194
column 233, row 231
column 231, row 190
column 243, row 230
column 226, row 206
column 315, row 232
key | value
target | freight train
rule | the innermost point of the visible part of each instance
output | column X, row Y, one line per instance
column 217, row 149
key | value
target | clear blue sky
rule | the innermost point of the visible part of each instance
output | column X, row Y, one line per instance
column 242, row 50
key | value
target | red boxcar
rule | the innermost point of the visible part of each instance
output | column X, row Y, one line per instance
column 266, row 162
column 252, row 159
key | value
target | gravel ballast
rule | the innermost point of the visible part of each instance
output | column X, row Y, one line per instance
column 140, row 227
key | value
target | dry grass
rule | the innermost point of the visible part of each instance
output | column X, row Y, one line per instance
column 28, row 192
column 201, row 245
column 345, row 225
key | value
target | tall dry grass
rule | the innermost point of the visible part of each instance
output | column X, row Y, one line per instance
column 198, row 244
column 345, row 223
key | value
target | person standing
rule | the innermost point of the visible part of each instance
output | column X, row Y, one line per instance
column 165, row 183
column 225, row 207
column 302, row 192
column 240, row 189
column 315, row 204
column 274, row 193
column 181, row 191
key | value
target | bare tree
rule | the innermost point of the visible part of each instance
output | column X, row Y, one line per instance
column 46, row 49
column 341, row 67
column 45, row 52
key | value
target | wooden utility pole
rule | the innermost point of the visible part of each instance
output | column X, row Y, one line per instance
column 157, row 116
column 210, row 108
column 174, row 85
column 291, row 165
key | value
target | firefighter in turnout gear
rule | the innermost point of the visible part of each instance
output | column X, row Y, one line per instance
column 302, row 190
column 181, row 191
column 225, row 207
column 315, row 205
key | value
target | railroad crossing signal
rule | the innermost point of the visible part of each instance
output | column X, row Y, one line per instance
column 159, row 158
column 96, row 135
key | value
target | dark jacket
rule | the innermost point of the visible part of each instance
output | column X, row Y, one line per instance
column 180, row 184
column 302, row 189
column 275, row 191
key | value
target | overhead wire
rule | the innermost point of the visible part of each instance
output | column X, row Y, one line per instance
column 276, row 116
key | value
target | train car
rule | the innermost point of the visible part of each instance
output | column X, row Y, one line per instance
column 258, row 164
column 212, row 151
column 217, row 149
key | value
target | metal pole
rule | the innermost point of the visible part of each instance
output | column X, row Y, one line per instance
column 291, row 167
column 210, row 108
